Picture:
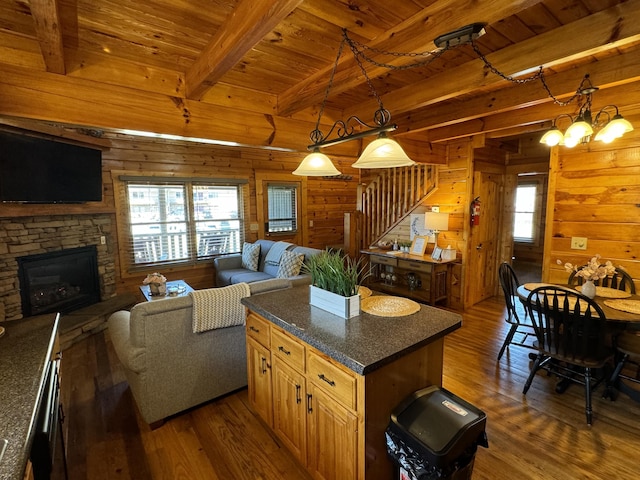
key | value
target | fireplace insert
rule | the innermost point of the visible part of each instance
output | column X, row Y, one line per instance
column 60, row 281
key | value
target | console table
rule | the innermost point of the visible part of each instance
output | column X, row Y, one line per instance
column 417, row 277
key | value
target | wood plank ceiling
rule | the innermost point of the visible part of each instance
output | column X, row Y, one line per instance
column 275, row 57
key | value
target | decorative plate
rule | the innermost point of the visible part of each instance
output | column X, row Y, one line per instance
column 389, row 306
column 630, row 306
column 364, row 292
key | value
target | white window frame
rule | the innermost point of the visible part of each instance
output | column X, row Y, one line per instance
column 535, row 214
column 193, row 243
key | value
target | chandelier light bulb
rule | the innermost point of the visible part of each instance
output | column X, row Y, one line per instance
column 578, row 129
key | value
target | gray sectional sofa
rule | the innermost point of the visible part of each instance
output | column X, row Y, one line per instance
column 229, row 268
column 169, row 368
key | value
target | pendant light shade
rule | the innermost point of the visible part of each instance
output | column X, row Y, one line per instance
column 383, row 152
column 316, row 164
column 553, row 137
column 578, row 129
column 617, row 127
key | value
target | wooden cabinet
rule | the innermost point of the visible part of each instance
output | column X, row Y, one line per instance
column 333, row 440
column 307, row 399
column 259, row 367
column 419, row 278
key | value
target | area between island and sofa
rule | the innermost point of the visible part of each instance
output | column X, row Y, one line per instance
column 337, row 375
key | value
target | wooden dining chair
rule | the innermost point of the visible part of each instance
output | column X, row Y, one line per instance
column 521, row 330
column 627, row 352
column 570, row 334
column 620, row 280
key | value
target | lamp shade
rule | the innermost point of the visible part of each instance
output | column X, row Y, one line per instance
column 436, row 221
column 383, row 152
column 578, row 129
column 617, row 127
column 552, row 137
column 316, row 164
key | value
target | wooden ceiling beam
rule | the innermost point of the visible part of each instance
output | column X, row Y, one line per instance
column 246, row 27
column 599, row 32
column 626, row 97
column 605, row 73
column 46, row 19
column 415, row 34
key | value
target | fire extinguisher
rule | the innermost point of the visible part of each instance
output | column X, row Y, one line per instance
column 475, row 211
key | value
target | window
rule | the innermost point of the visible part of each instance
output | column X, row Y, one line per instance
column 283, row 208
column 182, row 221
column 525, row 213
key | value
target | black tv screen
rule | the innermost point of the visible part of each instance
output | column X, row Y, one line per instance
column 37, row 170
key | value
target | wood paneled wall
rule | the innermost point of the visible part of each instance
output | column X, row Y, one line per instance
column 594, row 192
column 328, row 200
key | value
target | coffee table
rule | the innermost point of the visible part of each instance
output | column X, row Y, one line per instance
column 175, row 288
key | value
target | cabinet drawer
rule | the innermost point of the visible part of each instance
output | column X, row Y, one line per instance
column 339, row 384
column 415, row 266
column 384, row 260
column 288, row 349
column 259, row 328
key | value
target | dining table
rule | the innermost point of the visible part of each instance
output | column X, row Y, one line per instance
column 618, row 306
column 618, row 319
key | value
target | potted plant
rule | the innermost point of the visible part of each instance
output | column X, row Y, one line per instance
column 334, row 283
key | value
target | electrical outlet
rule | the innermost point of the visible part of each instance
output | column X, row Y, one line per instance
column 103, row 240
column 578, row 243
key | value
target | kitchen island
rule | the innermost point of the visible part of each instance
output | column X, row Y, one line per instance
column 25, row 351
column 327, row 386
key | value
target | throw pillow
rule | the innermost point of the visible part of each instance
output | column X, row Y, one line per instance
column 290, row 264
column 250, row 256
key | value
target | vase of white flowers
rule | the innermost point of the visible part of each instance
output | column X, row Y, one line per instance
column 157, row 283
column 592, row 272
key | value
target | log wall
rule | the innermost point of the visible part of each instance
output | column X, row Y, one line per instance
column 328, row 200
column 594, row 192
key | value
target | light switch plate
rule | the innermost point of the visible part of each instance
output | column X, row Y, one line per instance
column 578, row 243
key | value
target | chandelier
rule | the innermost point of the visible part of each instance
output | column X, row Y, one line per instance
column 384, row 152
column 581, row 128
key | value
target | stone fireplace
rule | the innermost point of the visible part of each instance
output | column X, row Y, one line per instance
column 40, row 235
column 60, row 281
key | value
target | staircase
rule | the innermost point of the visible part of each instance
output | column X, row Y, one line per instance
column 393, row 195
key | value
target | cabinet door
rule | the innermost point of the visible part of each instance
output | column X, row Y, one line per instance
column 332, row 438
column 289, row 409
column 259, row 380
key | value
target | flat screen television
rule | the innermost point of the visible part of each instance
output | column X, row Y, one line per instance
column 37, row 170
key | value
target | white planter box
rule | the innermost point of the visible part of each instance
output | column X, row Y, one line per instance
column 345, row 307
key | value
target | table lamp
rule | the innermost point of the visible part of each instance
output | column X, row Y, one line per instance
column 436, row 222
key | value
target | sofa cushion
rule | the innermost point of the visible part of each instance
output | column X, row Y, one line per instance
column 250, row 256
column 248, row 276
column 290, row 264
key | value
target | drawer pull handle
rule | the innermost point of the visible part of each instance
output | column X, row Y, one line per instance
column 254, row 329
column 309, row 407
column 281, row 348
column 298, row 399
column 265, row 365
column 325, row 379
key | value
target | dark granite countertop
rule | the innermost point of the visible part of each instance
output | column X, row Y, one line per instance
column 25, row 348
column 363, row 343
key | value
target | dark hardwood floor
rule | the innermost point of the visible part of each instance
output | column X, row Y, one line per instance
column 542, row 435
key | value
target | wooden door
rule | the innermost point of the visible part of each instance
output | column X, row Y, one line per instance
column 289, row 409
column 259, row 380
column 332, row 438
column 485, row 238
column 263, row 181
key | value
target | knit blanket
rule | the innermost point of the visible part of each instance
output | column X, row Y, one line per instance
column 219, row 307
column 275, row 252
